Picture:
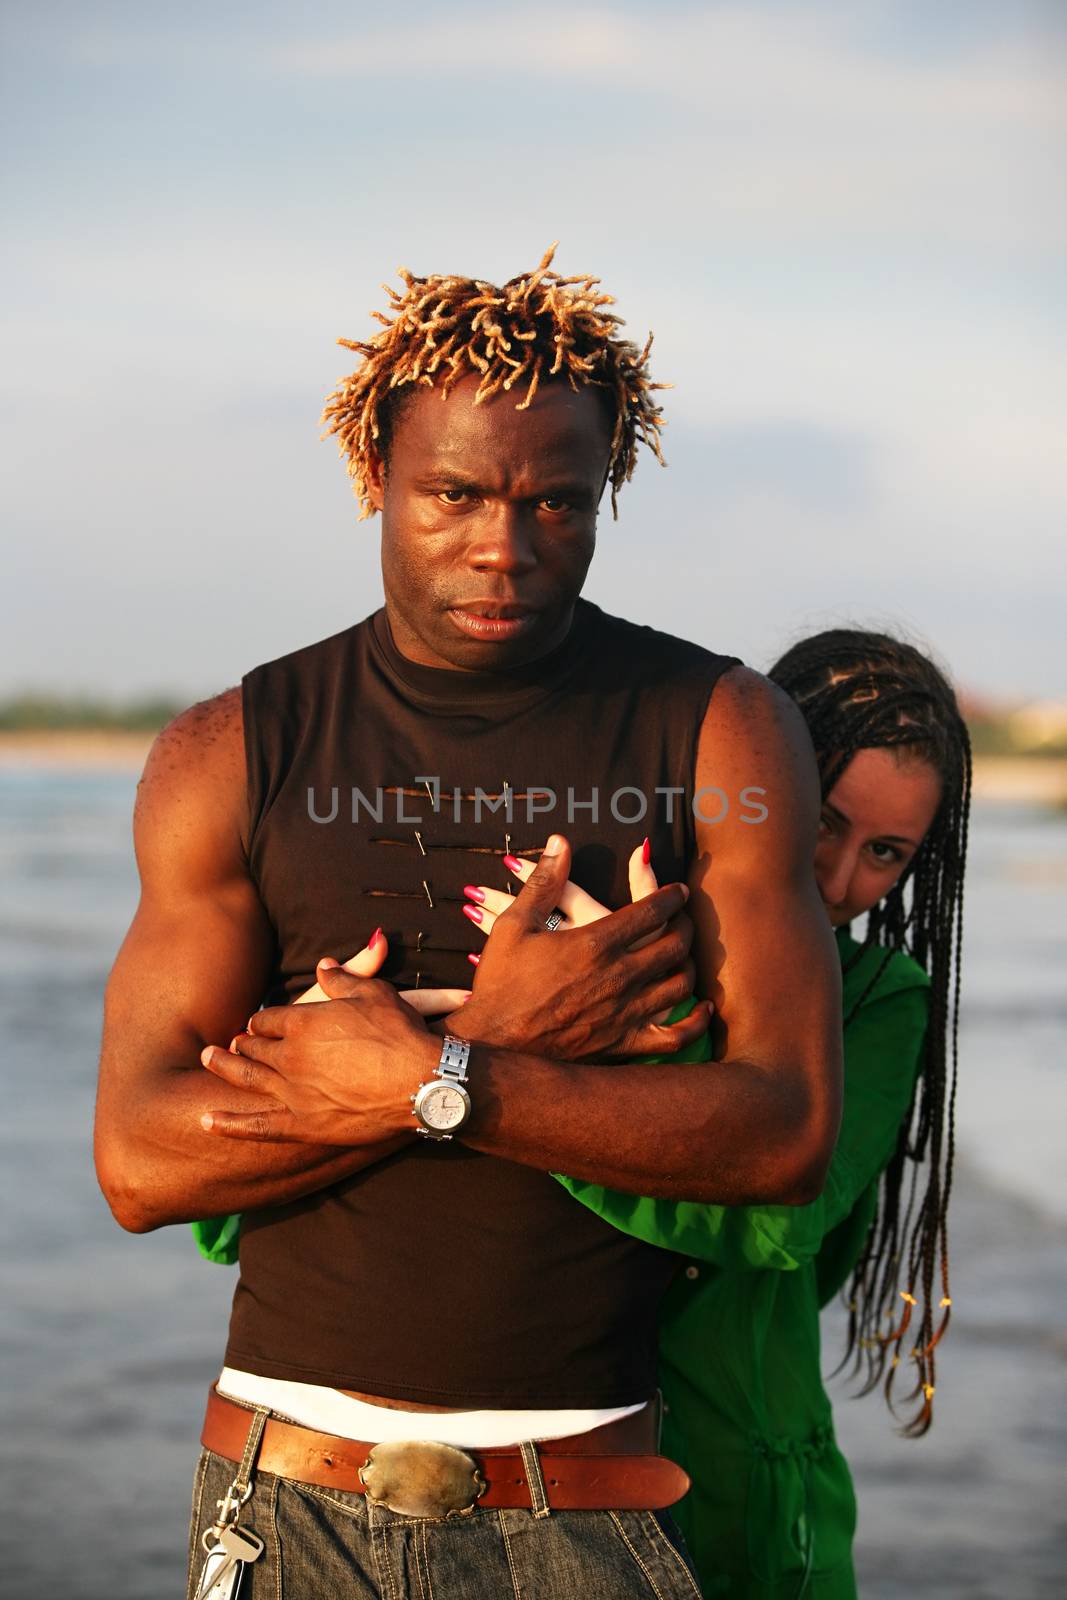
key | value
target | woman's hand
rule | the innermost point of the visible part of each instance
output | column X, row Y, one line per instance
column 368, row 962
column 592, row 988
column 486, row 906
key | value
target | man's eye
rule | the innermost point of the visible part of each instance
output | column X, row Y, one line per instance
column 454, row 497
column 554, row 502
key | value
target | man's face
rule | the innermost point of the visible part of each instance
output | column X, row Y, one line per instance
column 489, row 522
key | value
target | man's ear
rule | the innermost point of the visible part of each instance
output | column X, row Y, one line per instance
column 376, row 481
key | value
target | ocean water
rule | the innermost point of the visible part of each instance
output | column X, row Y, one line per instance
column 109, row 1342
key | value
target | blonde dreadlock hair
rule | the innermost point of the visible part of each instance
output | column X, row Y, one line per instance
column 541, row 326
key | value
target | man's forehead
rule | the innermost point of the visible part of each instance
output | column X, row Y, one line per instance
column 559, row 425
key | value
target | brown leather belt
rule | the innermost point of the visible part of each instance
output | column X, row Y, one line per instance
column 611, row 1468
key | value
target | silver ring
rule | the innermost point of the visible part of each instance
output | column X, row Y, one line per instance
column 553, row 921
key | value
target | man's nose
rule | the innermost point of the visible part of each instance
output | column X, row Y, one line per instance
column 505, row 540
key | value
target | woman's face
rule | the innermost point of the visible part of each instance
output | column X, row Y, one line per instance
column 873, row 821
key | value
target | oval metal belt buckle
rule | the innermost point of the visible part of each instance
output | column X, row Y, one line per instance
column 422, row 1478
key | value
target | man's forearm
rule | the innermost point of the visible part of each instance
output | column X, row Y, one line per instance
column 165, row 1167
column 725, row 1132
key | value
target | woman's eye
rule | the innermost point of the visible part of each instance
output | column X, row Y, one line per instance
column 824, row 826
column 885, row 854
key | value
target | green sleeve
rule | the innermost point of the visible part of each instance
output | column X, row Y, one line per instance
column 882, row 1052
column 216, row 1238
column 843, row 1246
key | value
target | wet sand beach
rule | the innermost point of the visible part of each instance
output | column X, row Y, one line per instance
column 110, row 1341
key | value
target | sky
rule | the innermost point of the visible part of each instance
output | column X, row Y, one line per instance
column 843, row 222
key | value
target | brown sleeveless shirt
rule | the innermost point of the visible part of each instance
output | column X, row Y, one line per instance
column 378, row 788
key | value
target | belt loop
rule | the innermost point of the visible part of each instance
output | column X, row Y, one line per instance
column 535, row 1480
column 252, row 1443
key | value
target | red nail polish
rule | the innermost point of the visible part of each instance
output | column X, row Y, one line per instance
column 472, row 912
column 474, row 893
column 373, row 940
column 513, row 863
column 473, row 959
column 646, row 852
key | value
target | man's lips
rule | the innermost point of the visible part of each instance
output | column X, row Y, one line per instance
column 492, row 608
column 492, row 619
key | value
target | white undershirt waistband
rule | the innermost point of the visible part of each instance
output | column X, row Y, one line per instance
column 330, row 1411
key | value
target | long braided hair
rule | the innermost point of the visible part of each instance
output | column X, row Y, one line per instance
column 861, row 691
column 538, row 327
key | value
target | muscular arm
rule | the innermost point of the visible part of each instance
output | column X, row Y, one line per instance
column 758, row 1123
column 191, row 969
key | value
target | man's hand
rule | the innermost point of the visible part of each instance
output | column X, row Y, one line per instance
column 304, row 1058
column 587, row 993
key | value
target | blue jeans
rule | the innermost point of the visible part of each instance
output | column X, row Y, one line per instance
column 325, row 1544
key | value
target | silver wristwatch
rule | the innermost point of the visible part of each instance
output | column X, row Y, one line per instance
column 443, row 1105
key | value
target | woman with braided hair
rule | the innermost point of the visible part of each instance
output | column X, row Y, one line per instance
column 771, row 1512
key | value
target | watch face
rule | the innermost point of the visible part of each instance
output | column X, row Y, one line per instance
column 443, row 1107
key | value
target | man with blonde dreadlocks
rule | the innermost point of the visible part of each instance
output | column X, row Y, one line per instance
column 440, row 1370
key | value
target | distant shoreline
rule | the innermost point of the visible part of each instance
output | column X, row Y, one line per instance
column 1021, row 780
column 82, row 749
column 1003, row 780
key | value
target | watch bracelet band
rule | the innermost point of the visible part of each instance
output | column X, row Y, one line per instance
column 455, row 1054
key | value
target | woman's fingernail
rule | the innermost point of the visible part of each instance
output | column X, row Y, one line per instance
column 207, row 1122
column 373, row 940
column 472, row 912
column 474, row 893
column 473, row 959
column 233, row 1041
column 328, row 961
column 205, row 1054
column 466, row 997
column 513, row 863
column 646, row 852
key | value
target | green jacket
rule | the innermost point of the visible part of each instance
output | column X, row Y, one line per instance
column 772, row 1512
